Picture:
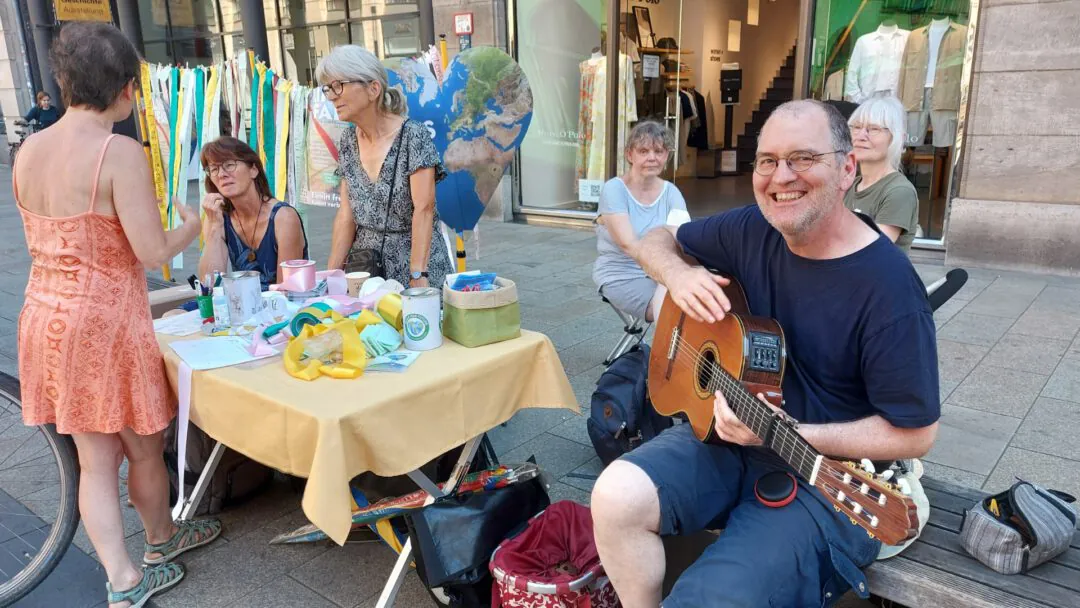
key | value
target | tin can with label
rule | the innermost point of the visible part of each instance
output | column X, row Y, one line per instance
column 243, row 291
column 420, row 318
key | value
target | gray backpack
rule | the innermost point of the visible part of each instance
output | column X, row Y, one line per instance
column 1019, row 528
column 236, row 478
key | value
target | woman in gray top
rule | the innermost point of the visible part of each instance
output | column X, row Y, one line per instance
column 881, row 192
column 389, row 167
column 630, row 206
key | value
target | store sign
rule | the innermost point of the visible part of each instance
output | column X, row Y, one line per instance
column 83, row 10
column 463, row 24
column 650, row 66
column 589, row 190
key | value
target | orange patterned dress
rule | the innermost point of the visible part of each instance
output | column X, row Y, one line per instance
column 88, row 360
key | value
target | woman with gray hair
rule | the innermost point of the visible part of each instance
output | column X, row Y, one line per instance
column 630, row 206
column 881, row 192
column 387, row 223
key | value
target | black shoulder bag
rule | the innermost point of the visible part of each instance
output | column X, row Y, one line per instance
column 371, row 260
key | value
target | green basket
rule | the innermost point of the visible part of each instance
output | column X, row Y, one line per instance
column 476, row 318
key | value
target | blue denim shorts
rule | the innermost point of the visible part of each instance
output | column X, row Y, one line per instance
column 803, row 554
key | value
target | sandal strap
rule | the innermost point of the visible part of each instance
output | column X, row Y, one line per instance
column 152, row 579
column 188, row 530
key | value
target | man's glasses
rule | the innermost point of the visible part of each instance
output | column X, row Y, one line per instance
column 228, row 166
column 796, row 161
column 336, row 87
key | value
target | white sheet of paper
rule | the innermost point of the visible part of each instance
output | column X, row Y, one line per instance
column 212, row 353
column 179, row 325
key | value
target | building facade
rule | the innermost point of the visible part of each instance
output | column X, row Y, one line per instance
column 992, row 92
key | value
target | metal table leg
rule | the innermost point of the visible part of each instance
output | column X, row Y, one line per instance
column 187, row 509
column 401, row 566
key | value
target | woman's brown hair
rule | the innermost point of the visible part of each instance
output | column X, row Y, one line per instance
column 227, row 148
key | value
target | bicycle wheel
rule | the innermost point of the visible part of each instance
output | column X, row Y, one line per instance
column 39, row 488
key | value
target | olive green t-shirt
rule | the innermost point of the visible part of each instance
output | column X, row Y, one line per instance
column 891, row 201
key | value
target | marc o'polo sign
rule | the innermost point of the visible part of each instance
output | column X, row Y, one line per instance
column 83, row 10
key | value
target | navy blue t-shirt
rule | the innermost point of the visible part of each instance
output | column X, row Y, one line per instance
column 859, row 331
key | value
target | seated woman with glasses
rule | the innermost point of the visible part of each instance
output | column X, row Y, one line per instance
column 630, row 206
column 244, row 227
column 881, row 192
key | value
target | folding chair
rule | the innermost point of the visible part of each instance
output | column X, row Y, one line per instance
column 634, row 328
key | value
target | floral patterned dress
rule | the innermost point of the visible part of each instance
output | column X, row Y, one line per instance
column 408, row 154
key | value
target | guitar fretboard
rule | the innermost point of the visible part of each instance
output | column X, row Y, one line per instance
column 758, row 417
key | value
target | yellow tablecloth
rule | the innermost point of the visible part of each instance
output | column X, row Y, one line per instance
column 330, row 430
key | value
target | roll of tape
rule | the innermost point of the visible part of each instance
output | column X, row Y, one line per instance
column 309, row 315
column 298, row 275
column 389, row 308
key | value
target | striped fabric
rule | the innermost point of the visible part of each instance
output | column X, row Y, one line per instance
column 1002, row 546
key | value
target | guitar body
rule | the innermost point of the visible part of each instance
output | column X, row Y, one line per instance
column 749, row 348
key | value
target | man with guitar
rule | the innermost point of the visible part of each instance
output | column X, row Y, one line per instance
column 858, row 359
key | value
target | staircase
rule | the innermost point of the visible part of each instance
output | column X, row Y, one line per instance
column 781, row 89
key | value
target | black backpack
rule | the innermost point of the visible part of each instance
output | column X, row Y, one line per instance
column 236, row 478
column 622, row 417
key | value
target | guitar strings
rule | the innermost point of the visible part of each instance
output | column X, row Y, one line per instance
column 717, row 373
column 718, row 376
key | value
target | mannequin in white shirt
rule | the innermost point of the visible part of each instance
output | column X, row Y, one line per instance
column 874, row 68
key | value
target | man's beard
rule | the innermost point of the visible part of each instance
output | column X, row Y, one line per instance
column 816, row 205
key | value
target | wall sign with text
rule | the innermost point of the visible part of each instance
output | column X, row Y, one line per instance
column 83, row 10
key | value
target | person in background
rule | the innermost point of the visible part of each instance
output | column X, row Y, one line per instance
column 630, row 206
column 385, row 160
column 245, row 228
column 43, row 112
column 88, row 360
column 881, row 192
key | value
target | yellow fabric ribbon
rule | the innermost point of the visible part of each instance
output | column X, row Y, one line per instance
column 389, row 308
column 353, row 356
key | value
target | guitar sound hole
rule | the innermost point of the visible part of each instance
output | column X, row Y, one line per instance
column 705, row 370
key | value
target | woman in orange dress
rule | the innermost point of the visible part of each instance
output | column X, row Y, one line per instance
column 88, row 360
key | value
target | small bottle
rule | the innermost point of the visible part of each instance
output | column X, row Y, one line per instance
column 221, row 308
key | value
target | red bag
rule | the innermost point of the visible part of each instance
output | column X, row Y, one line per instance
column 552, row 564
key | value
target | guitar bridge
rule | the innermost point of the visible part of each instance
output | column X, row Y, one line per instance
column 673, row 346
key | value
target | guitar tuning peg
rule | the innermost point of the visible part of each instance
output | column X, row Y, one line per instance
column 887, row 475
column 905, row 487
column 868, row 466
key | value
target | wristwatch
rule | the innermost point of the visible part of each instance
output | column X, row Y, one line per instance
column 418, row 274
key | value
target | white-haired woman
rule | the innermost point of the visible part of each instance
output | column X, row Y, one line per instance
column 881, row 192
column 630, row 206
column 388, row 167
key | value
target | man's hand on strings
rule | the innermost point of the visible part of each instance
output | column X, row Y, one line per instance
column 728, row 426
column 699, row 294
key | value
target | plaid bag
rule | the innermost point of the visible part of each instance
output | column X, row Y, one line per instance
column 1019, row 528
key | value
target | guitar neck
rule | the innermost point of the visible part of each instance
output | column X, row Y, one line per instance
column 784, row 440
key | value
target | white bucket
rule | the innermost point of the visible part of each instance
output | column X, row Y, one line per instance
column 243, row 290
column 420, row 318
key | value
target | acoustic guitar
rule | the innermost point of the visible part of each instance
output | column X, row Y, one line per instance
column 741, row 356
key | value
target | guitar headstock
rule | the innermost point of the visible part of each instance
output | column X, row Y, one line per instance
column 869, row 500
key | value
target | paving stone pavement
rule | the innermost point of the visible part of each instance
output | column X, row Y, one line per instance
column 1009, row 360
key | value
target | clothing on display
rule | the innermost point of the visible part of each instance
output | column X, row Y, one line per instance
column 834, row 87
column 930, row 80
column 699, row 133
column 592, row 116
column 875, row 64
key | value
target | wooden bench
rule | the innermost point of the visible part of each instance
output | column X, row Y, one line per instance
column 935, row 571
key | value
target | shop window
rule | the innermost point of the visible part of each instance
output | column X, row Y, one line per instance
column 304, row 47
column 198, row 51
column 914, row 51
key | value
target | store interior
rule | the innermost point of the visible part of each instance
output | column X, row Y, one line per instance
column 674, row 56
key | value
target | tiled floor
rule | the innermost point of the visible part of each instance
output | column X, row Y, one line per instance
column 1009, row 362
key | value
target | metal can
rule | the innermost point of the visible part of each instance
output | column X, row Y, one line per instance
column 243, row 291
column 420, row 318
